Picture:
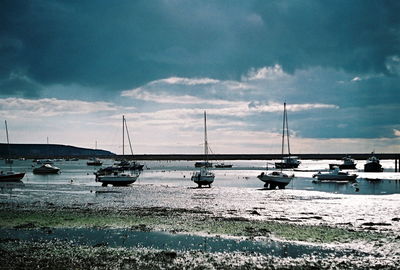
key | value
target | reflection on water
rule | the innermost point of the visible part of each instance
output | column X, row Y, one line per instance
column 160, row 240
column 242, row 175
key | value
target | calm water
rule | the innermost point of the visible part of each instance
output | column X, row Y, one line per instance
column 242, row 175
column 161, row 240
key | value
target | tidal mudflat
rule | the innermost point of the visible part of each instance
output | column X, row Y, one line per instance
column 163, row 221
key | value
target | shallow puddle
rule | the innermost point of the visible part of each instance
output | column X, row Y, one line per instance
column 160, row 240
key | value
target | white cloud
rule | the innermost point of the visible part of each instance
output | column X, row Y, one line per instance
column 356, row 79
column 265, row 73
column 187, row 81
column 50, row 107
column 396, row 132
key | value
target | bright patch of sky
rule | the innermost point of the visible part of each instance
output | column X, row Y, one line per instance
column 72, row 76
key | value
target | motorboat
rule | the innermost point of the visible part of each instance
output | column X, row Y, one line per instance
column 275, row 179
column 129, row 165
column 373, row 164
column 348, row 163
column 279, row 178
column 46, row 169
column 117, row 179
column 200, row 164
column 223, row 165
column 94, row 162
column 11, row 176
column 336, row 175
column 289, row 162
column 204, row 177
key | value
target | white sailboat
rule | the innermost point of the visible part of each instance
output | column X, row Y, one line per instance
column 10, row 176
column 118, row 177
column 204, row 177
column 278, row 178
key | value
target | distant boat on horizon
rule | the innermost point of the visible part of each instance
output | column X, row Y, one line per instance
column 10, row 176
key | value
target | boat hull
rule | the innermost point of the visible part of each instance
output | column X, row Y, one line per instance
column 117, row 180
column 203, row 180
column 16, row 177
column 223, row 166
column 273, row 181
column 283, row 165
column 373, row 167
column 336, row 178
column 343, row 166
column 203, row 164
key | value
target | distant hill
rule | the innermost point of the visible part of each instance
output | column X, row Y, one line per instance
column 48, row 151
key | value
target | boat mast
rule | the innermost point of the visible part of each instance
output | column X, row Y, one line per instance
column 205, row 138
column 287, row 130
column 129, row 139
column 8, row 143
column 283, row 131
column 123, row 135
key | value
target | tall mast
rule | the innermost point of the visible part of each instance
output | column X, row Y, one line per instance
column 283, row 128
column 123, row 135
column 205, row 137
column 129, row 139
column 287, row 131
column 8, row 142
column 8, row 145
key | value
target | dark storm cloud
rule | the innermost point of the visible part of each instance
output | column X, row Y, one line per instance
column 123, row 44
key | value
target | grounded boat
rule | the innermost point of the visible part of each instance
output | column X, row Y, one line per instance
column 121, row 174
column 275, row 179
column 204, row 177
column 10, row 176
column 117, row 179
column 223, row 165
column 348, row 163
column 278, row 178
column 94, row 162
column 373, row 164
column 46, row 169
column 335, row 176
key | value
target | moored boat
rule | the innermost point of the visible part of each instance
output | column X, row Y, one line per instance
column 279, row 178
column 204, row 177
column 336, row 176
column 373, row 164
column 289, row 162
column 275, row 179
column 11, row 176
column 223, row 165
column 348, row 163
column 200, row 164
column 117, row 179
column 46, row 169
column 94, row 162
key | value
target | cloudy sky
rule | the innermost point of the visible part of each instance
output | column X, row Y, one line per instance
column 69, row 70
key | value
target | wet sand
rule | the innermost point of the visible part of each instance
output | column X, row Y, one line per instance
column 367, row 227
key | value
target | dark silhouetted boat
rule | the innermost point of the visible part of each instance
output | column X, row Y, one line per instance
column 278, row 178
column 335, row 176
column 46, row 169
column 373, row 164
column 348, row 163
column 10, row 176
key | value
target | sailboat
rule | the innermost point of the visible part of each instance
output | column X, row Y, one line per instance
column 10, row 176
column 118, row 176
column 278, row 178
column 204, row 177
column 94, row 161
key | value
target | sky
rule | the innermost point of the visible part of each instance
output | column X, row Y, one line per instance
column 69, row 70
